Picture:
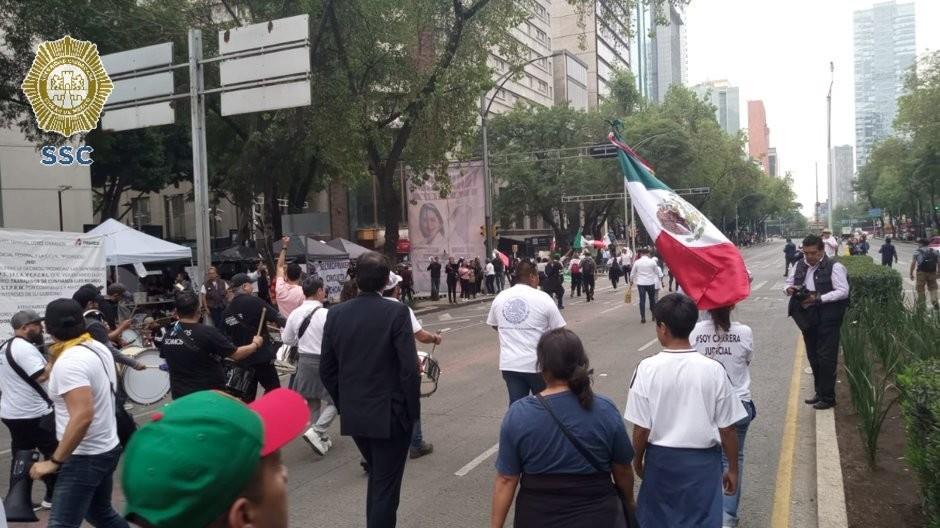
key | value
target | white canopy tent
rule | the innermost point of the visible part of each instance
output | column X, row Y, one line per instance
column 125, row 245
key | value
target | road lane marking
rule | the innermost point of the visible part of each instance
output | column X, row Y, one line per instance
column 445, row 317
column 759, row 285
column 477, row 461
column 651, row 343
column 444, row 330
column 610, row 309
column 781, row 511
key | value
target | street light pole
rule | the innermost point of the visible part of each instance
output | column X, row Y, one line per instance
column 484, row 110
column 832, row 69
column 59, row 190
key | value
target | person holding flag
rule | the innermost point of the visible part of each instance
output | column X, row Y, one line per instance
column 712, row 271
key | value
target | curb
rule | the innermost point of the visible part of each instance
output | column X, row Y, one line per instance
column 830, row 494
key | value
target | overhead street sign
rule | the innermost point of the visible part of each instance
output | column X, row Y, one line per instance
column 265, row 66
column 143, row 76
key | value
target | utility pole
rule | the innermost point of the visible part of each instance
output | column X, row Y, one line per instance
column 832, row 69
column 200, row 170
column 816, row 208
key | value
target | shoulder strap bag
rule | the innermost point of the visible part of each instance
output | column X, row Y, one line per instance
column 294, row 353
column 47, row 421
column 126, row 426
column 628, row 514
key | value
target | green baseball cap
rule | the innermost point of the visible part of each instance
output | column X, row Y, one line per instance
column 189, row 464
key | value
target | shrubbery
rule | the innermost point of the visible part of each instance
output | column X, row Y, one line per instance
column 892, row 354
column 920, row 402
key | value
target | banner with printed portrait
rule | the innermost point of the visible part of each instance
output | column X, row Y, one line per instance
column 447, row 226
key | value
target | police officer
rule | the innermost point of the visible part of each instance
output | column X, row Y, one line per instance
column 242, row 318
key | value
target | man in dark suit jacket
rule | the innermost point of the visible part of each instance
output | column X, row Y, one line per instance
column 369, row 365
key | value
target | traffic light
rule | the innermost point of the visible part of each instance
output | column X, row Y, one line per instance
column 483, row 231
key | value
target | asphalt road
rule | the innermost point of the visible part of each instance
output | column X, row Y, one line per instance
column 452, row 486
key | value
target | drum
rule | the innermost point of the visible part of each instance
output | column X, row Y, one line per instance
column 132, row 338
column 430, row 373
column 239, row 380
column 149, row 385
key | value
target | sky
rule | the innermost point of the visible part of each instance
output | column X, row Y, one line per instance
column 778, row 51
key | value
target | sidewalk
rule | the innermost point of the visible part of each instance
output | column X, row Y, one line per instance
column 425, row 305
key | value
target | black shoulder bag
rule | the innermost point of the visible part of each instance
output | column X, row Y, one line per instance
column 47, row 421
column 126, row 426
column 629, row 515
column 294, row 353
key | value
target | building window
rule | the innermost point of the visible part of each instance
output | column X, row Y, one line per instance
column 176, row 213
column 140, row 211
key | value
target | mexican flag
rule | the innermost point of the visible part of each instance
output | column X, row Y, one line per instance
column 707, row 266
column 577, row 245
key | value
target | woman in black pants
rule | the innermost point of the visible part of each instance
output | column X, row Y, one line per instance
column 450, row 270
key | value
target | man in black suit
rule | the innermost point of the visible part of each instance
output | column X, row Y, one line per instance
column 369, row 365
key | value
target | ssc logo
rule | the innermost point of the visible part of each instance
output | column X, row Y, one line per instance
column 67, row 86
column 516, row 310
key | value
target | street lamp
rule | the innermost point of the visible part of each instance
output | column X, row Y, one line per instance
column 484, row 110
column 59, row 190
column 832, row 69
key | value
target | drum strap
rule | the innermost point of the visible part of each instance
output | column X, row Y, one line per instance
column 21, row 373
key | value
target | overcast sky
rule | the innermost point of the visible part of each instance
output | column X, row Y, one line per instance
column 779, row 51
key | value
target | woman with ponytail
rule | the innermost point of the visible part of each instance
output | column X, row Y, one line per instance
column 731, row 344
column 561, row 448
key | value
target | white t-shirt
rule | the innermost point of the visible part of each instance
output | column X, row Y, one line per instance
column 646, row 272
column 78, row 367
column 683, row 398
column 831, row 246
column 490, row 269
column 19, row 400
column 415, row 324
column 522, row 314
column 313, row 336
column 734, row 349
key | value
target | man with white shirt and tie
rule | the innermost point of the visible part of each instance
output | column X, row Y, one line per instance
column 819, row 295
column 646, row 274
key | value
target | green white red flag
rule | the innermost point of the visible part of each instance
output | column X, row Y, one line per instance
column 707, row 266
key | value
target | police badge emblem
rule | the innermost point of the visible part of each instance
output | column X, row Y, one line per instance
column 67, row 86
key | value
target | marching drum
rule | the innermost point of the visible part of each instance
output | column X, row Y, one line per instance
column 132, row 338
column 430, row 373
column 239, row 380
column 149, row 385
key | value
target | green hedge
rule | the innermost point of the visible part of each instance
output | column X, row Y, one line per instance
column 920, row 403
column 869, row 281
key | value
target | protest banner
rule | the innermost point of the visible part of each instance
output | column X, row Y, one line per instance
column 37, row 267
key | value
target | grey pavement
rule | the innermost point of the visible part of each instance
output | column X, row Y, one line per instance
column 452, row 486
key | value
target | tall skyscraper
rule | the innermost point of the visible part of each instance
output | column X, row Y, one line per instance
column 668, row 60
column 758, row 134
column 884, row 52
column 724, row 98
column 773, row 163
column 843, row 174
column 535, row 86
column 600, row 39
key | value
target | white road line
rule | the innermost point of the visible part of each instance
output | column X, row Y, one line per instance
column 445, row 329
column 610, row 309
column 477, row 461
column 759, row 285
column 644, row 347
column 445, row 317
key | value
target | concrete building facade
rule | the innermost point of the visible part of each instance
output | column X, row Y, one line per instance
column 885, row 49
column 668, row 62
column 773, row 163
column 599, row 39
column 536, row 85
column 725, row 99
column 571, row 75
column 758, row 134
column 843, row 175
column 30, row 193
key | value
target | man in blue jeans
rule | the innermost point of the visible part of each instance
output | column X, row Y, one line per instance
column 646, row 273
column 521, row 315
column 81, row 385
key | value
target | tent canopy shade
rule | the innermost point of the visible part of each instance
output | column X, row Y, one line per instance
column 353, row 249
column 125, row 245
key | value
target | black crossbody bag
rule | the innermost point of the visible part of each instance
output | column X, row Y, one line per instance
column 629, row 515
column 47, row 421
column 126, row 426
column 294, row 353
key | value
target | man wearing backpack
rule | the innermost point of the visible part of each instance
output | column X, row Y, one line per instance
column 925, row 262
column 588, row 270
column 574, row 266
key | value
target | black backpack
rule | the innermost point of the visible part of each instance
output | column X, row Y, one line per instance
column 928, row 261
